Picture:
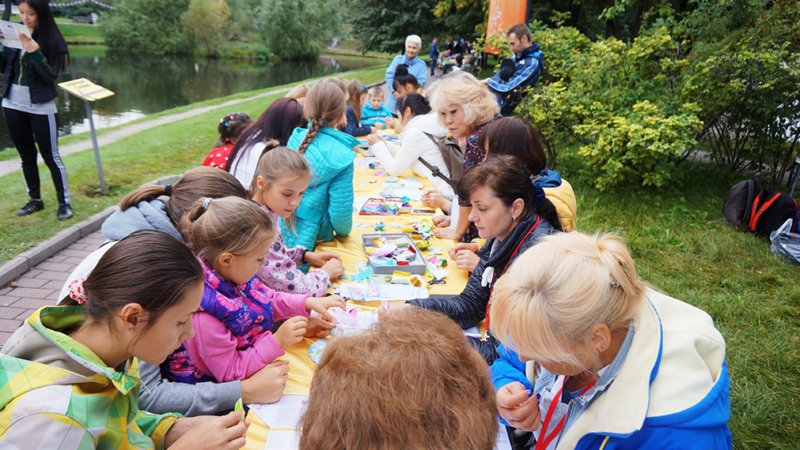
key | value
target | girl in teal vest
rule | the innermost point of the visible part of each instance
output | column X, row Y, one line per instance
column 327, row 206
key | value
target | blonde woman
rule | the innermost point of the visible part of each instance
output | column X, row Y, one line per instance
column 602, row 360
column 464, row 106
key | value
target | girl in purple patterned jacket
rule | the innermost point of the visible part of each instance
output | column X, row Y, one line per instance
column 282, row 176
column 233, row 326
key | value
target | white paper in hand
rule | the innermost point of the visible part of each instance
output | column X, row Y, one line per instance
column 10, row 32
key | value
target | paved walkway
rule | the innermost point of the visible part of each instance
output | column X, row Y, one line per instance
column 40, row 286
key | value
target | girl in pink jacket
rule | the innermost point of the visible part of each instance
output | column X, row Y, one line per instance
column 233, row 337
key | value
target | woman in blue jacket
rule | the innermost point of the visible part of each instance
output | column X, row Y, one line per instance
column 592, row 358
column 29, row 90
column 327, row 205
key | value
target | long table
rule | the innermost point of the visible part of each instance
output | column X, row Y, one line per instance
column 366, row 184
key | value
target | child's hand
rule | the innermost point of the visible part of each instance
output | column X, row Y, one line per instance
column 208, row 432
column 334, row 269
column 320, row 258
column 518, row 407
column 318, row 327
column 321, row 305
column 379, row 125
column 374, row 139
column 291, row 331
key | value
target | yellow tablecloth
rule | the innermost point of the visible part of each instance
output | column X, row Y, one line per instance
column 301, row 369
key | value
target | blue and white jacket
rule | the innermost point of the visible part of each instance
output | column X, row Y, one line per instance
column 327, row 205
column 528, row 66
column 416, row 67
column 671, row 391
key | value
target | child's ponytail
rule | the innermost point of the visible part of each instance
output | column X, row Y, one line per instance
column 225, row 225
column 324, row 107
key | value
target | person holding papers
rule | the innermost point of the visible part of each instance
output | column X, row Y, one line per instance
column 28, row 91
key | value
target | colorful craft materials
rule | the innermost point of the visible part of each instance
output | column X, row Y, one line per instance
column 379, row 226
column 386, row 251
column 316, row 349
column 352, row 322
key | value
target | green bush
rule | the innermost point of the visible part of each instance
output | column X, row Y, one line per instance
column 617, row 103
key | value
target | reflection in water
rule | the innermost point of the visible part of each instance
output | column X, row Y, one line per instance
column 146, row 85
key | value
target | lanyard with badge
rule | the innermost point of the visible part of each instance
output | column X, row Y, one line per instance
column 556, row 413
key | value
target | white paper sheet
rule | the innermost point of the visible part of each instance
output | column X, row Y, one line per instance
column 502, row 442
column 284, row 413
column 284, row 440
column 10, row 32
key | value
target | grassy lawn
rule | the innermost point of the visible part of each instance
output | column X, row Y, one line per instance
column 684, row 247
column 128, row 163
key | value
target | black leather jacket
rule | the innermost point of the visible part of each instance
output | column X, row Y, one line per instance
column 469, row 307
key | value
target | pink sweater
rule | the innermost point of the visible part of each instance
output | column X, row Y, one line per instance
column 280, row 270
column 213, row 349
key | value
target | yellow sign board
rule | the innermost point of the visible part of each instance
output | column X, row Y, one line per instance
column 85, row 89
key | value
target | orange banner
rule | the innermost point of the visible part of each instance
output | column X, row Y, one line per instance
column 502, row 15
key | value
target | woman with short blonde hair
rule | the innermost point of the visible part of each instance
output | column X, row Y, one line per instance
column 464, row 106
column 462, row 89
column 591, row 357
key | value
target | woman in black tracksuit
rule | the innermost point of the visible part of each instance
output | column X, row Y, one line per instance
column 28, row 90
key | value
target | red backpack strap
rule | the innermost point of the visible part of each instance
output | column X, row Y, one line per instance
column 757, row 215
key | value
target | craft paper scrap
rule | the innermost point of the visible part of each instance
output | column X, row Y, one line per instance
column 381, row 291
column 412, row 194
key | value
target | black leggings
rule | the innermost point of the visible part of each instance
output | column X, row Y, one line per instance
column 24, row 128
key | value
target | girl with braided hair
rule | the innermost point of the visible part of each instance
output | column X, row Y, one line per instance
column 328, row 202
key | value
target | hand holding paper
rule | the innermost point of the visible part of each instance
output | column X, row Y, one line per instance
column 11, row 32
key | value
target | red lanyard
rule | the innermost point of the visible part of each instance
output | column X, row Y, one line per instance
column 510, row 259
column 544, row 438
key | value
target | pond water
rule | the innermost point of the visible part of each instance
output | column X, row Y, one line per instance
column 145, row 85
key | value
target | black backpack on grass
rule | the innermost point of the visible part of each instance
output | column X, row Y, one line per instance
column 759, row 211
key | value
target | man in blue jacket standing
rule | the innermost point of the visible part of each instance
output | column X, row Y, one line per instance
column 434, row 54
column 518, row 72
column 416, row 67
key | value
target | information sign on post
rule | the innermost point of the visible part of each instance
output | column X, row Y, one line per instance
column 90, row 93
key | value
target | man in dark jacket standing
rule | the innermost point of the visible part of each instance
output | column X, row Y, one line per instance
column 518, row 72
column 434, row 54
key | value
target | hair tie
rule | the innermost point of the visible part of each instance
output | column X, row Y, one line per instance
column 77, row 292
column 206, row 202
column 538, row 195
column 168, row 190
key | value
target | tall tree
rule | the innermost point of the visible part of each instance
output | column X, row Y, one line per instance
column 207, row 22
column 299, row 29
column 383, row 25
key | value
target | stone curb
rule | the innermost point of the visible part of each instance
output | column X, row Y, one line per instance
column 29, row 259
